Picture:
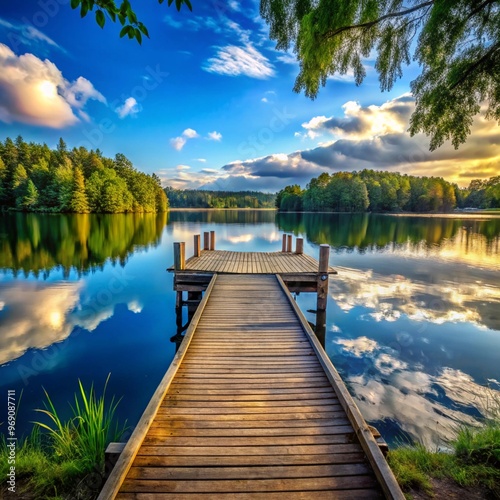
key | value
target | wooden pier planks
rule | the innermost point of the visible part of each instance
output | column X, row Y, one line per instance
column 247, row 412
column 223, row 262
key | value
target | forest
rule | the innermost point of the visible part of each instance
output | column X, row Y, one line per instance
column 193, row 198
column 376, row 191
column 34, row 178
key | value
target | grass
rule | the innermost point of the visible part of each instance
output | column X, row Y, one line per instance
column 474, row 462
column 60, row 460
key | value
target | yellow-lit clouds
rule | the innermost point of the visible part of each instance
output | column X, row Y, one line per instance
column 35, row 92
column 376, row 137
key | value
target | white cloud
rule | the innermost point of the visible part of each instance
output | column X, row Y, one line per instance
column 264, row 99
column 129, row 108
column 287, row 58
column 28, row 35
column 189, row 133
column 236, row 61
column 182, row 167
column 178, row 143
column 214, row 136
column 201, row 160
column 35, row 92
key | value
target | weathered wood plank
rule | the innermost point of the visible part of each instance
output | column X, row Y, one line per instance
column 266, row 472
column 243, row 485
column 358, row 494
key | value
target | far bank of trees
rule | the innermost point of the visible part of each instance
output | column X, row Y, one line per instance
column 193, row 198
column 375, row 191
column 35, row 178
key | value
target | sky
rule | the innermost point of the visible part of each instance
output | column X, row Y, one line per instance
column 207, row 101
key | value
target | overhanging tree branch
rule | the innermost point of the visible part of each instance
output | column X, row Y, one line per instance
column 369, row 24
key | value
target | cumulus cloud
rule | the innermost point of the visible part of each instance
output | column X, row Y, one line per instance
column 214, row 136
column 246, row 60
column 35, row 92
column 190, row 133
column 129, row 108
column 366, row 122
column 179, row 142
column 376, row 137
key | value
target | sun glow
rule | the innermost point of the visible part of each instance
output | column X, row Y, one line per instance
column 47, row 89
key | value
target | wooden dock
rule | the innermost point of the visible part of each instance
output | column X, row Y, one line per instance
column 251, row 407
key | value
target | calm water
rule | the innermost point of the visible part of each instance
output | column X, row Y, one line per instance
column 413, row 315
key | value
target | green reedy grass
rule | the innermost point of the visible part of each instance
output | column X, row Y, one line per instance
column 474, row 461
column 86, row 435
column 66, row 459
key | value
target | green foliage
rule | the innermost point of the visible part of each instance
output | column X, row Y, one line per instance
column 390, row 192
column 86, row 435
column 131, row 26
column 289, row 199
column 457, row 47
column 193, row 198
column 69, row 454
column 475, row 461
column 73, row 181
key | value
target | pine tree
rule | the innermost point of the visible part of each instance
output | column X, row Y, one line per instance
column 30, row 198
column 19, row 185
column 79, row 202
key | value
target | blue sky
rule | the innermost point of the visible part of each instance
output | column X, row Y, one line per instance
column 207, row 100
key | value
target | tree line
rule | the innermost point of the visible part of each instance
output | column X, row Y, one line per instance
column 35, row 178
column 193, row 198
column 376, row 191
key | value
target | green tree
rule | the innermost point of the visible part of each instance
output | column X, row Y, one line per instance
column 4, row 188
column 30, row 199
column 458, row 49
column 19, row 185
column 78, row 202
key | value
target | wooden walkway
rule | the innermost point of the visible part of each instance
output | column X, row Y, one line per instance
column 251, row 407
column 220, row 261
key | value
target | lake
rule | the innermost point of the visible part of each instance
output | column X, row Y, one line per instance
column 413, row 319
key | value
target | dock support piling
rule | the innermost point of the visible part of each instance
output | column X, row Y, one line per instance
column 206, row 240
column 283, row 246
column 197, row 245
column 212, row 240
column 289, row 243
column 324, row 255
column 299, row 245
column 179, row 256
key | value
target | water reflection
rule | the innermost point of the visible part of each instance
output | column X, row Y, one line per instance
column 449, row 237
column 412, row 325
column 38, row 243
column 417, row 353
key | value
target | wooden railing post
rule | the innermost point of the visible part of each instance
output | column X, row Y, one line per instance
column 289, row 243
column 283, row 245
column 179, row 256
column 197, row 245
column 299, row 245
column 212, row 240
column 206, row 240
column 324, row 257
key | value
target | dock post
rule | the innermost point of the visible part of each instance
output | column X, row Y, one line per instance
column 299, row 245
column 212, row 240
column 197, row 246
column 206, row 240
column 283, row 246
column 324, row 255
column 289, row 243
column 179, row 256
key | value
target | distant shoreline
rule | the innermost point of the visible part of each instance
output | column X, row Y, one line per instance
column 451, row 215
column 247, row 209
